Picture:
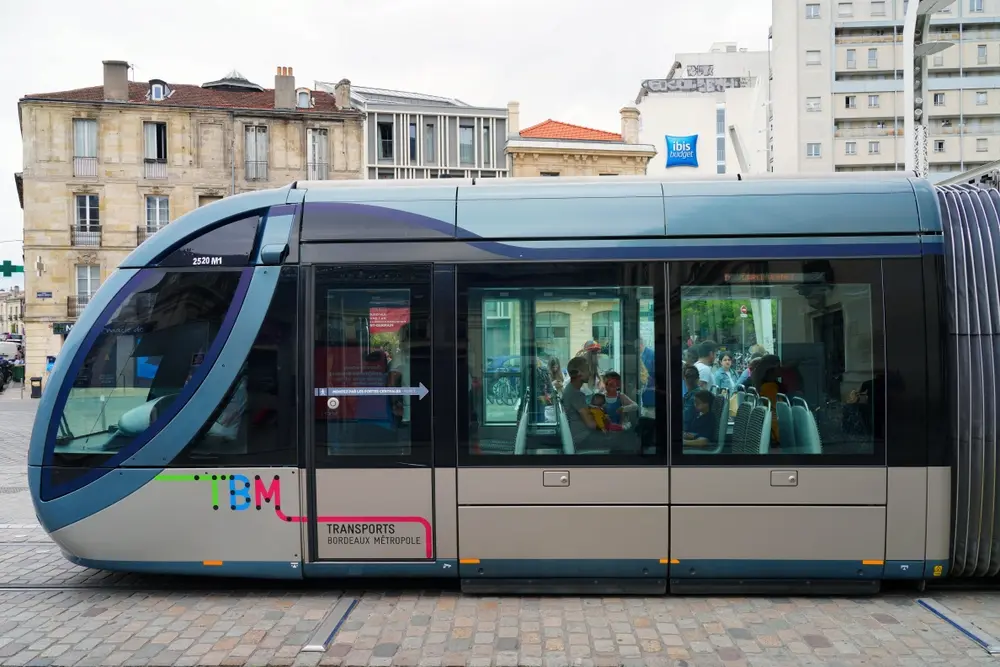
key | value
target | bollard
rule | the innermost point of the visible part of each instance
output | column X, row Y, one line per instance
column 36, row 387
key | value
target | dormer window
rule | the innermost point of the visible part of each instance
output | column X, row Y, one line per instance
column 303, row 98
column 158, row 90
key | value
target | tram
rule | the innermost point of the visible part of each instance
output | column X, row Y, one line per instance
column 487, row 381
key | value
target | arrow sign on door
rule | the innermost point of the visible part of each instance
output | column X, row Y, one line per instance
column 420, row 390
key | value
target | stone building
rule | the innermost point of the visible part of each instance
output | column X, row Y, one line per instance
column 12, row 310
column 551, row 148
column 107, row 166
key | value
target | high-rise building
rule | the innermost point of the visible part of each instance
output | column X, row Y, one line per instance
column 708, row 115
column 837, row 86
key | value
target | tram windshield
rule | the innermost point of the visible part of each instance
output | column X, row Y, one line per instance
column 144, row 356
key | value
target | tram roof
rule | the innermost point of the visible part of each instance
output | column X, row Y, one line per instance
column 622, row 207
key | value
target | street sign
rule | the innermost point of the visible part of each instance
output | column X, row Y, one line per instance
column 743, row 311
column 7, row 269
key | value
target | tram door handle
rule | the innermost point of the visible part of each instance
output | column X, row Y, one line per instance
column 784, row 478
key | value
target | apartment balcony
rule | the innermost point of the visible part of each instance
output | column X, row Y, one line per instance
column 319, row 171
column 86, row 235
column 156, row 169
column 866, row 132
column 75, row 304
column 85, row 167
column 144, row 231
column 255, row 170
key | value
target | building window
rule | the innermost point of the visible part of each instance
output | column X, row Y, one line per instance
column 87, row 230
column 155, row 139
column 812, row 11
column 466, row 144
column 412, row 136
column 317, row 158
column 874, row 148
column 430, row 143
column 812, row 58
column 852, row 58
column 975, row 5
column 873, row 101
column 878, row 7
column 256, row 152
column 938, row 60
column 981, row 145
column 851, row 102
column 981, row 54
column 813, row 104
column 939, row 99
column 304, row 100
column 720, row 150
column 487, row 145
column 548, row 173
column 939, row 146
column 157, row 213
column 980, row 98
column 851, row 148
column 845, row 9
column 84, row 147
column 88, row 279
column 872, row 57
column 156, row 92
column 812, row 150
column 385, row 142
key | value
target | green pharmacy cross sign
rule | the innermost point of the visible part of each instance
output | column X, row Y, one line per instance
column 7, row 269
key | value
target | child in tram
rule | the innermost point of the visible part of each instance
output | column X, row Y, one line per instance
column 597, row 411
column 617, row 404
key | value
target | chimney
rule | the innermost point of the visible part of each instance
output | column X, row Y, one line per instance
column 284, row 88
column 513, row 119
column 630, row 125
column 116, row 81
column 342, row 94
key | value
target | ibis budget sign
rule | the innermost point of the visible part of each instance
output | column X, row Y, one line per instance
column 682, row 151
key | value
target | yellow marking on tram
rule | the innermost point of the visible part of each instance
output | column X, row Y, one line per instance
column 469, row 561
column 211, row 562
column 675, row 561
column 873, row 562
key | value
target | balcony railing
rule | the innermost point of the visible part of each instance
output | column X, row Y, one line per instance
column 143, row 232
column 76, row 303
column 319, row 171
column 156, row 168
column 84, row 167
column 86, row 235
column 256, row 170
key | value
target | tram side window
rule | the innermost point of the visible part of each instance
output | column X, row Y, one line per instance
column 255, row 422
column 149, row 350
column 560, row 370
column 780, row 361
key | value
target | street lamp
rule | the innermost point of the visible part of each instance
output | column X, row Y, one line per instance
column 916, row 48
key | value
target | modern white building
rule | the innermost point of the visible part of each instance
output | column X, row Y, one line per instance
column 709, row 114
column 416, row 135
column 837, row 86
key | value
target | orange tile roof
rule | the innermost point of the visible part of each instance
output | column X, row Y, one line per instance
column 553, row 129
column 186, row 95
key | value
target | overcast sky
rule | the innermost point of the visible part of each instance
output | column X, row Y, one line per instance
column 577, row 61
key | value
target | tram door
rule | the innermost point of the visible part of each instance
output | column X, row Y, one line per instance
column 371, row 491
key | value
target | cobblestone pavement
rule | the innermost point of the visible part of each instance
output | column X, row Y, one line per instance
column 56, row 613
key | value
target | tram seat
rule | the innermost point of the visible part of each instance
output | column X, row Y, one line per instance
column 564, row 432
column 720, row 410
column 806, row 431
column 786, row 423
column 521, row 439
column 741, row 424
column 758, row 437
